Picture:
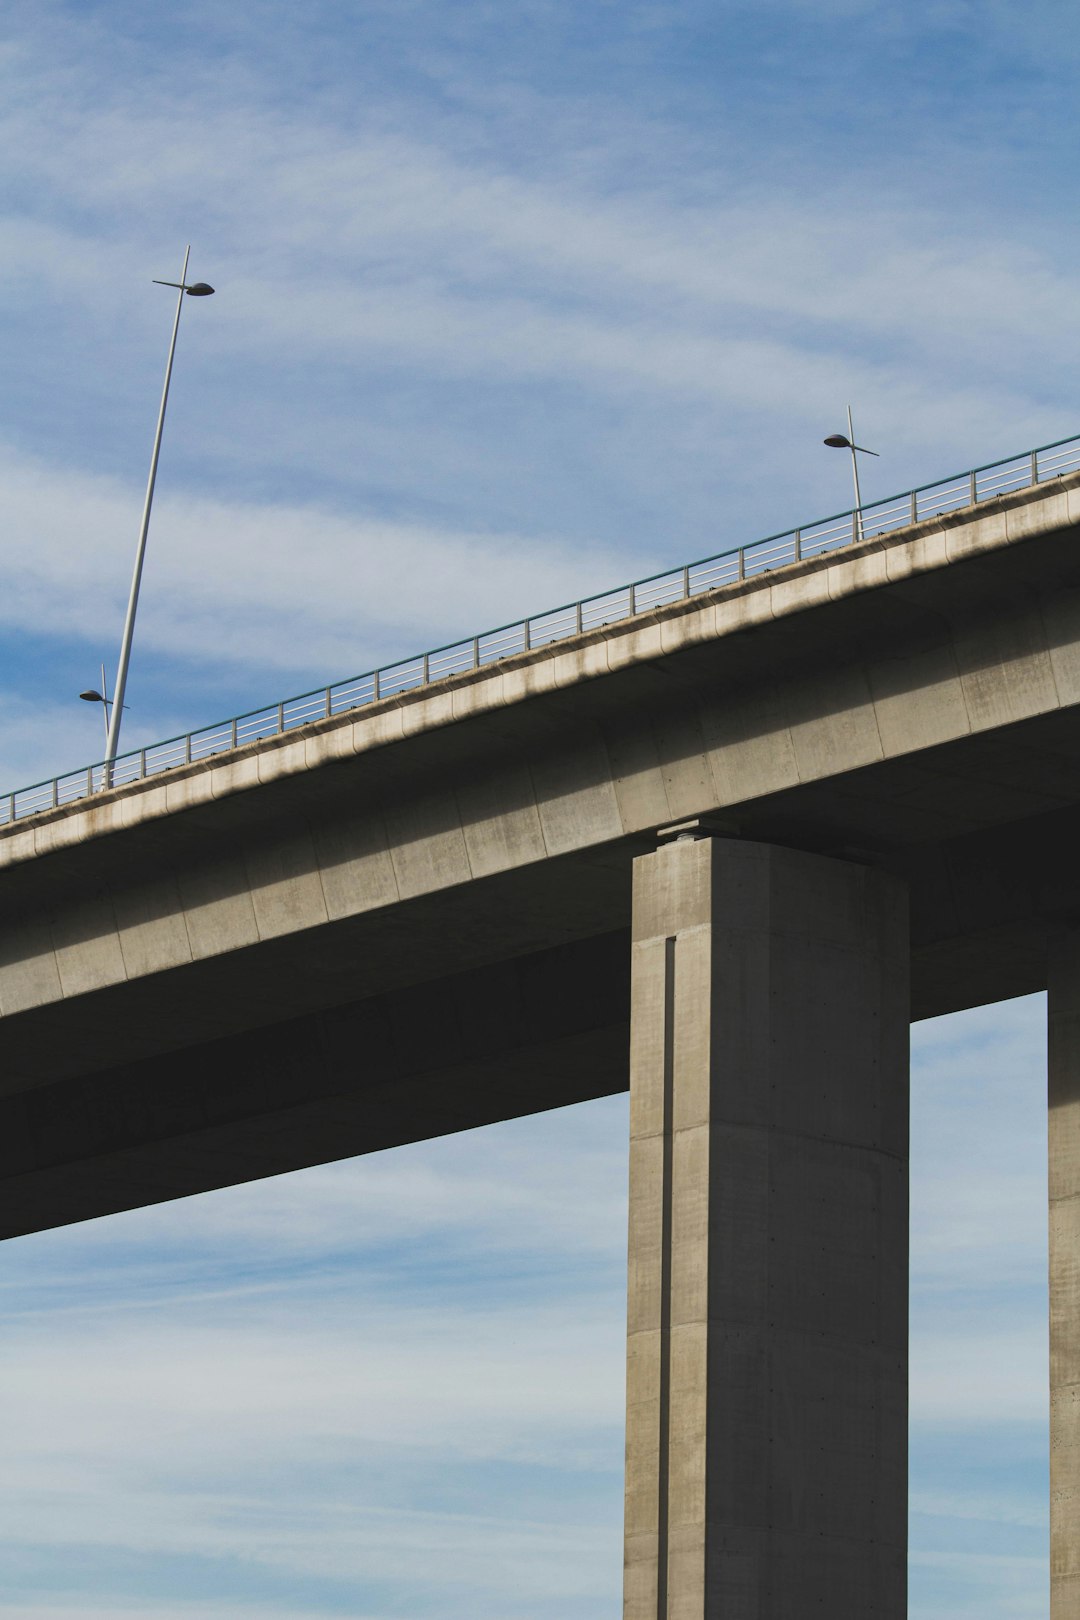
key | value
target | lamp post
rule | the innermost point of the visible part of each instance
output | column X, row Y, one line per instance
column 91, row 695
column 837, row 441
column 198, row 289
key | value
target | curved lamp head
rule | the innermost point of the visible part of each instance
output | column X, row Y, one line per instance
column 91, row 696
column 839, row 441
column 197, row 289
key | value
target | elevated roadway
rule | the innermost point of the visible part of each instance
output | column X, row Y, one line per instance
column 266, row 946
column 419, row 917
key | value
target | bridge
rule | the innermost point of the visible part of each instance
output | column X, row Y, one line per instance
column 721, row 849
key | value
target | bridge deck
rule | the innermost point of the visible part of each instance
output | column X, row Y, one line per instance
column 329, row 941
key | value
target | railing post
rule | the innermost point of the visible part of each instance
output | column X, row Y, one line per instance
column 974, row 490
column 234, row 734
column 55, row 791
column 89, row 781
column 476, row 652
column 427, row 668
column 375, row 687
column 187, row 747
column 11, row 807
column 798, row 545
column 1034, row 466
column 327, row 711
column 528, row 635
column 914, row 506
column 633, row 600
column 577, row 624
column 280, row 718
column 742, row 562
column 686, row 583
column 142, row 763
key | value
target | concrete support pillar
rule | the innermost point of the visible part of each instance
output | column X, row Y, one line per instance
column 1063, row 1062
column 766, row 1466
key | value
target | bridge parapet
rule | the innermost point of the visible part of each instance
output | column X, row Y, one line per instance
column 982, row 486
column 557, row 670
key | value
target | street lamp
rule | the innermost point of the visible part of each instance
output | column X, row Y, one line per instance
column 837, row 441
column 198, row 289
column 92, row 695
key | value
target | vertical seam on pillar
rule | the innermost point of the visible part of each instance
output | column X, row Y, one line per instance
column 665, row 1285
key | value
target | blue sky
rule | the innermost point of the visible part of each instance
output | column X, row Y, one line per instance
column 516, row 301
column 393, row 1387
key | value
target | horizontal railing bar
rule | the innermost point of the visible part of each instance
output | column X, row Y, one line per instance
column 555, row 624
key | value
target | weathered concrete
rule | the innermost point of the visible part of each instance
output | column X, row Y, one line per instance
column 512, row 1038
column 1063, row 1008
column 912, row 704
column 766, row 1451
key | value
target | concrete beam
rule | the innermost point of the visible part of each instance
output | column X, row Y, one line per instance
column 913, row 694
column 766, row 1460
column 497, row 819
column 468, row 1049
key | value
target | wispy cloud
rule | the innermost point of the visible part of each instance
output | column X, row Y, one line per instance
column 515, row 303
column 450, row 378
column 300, row 588
column 198, row 1381
column 318, row 1427
column 979, row 1149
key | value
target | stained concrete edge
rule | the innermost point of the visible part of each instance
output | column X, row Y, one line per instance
column 925, row 547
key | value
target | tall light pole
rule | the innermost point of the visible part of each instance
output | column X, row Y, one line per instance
column 837, row 441
column 198, row 289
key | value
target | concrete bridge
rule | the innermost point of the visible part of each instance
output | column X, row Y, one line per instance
column 722, row 854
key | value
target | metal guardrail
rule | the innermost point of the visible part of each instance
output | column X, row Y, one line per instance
column 557, row 624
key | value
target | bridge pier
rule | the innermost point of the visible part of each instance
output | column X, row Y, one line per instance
column 767, row 1335
column 1063, row 1010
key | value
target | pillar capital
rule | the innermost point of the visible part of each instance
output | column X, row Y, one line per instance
column 698, row 827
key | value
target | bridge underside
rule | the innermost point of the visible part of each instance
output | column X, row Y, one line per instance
column 296, row 1071
column 348, row 1036
column 489, row 1044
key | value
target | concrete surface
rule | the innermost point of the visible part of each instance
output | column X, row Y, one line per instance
column 910, row 704
column 1063, row 1010
column 512, row 1038
column 766, row 1449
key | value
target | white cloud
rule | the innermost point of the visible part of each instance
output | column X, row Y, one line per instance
column 979, row 1148
column 299, row 588
column 444, row 1189
column 1001, row 1506
column 335, row 238
column 301, row 1417
column 45, row 1608
column 511, row 382
column 37, row 738
column 266, row 1374
column 990, row 1374
column 199, row 1382
column 510, row 368
column 978, row 1216
column 1011, row 1586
